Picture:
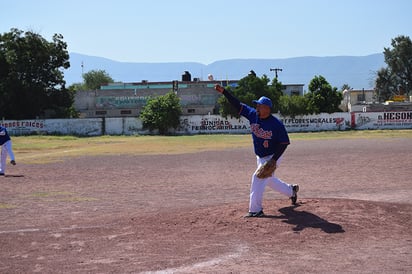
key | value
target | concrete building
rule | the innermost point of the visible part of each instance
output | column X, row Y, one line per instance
column 354, row 99
column 366, row 101
column 127, row 99
column 293, row 89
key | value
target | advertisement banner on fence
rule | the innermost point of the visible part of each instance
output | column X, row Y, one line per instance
column 319, row 122
column 218, row 124
column 24, row 127
column 382, row 120
column 82, row 127
column 212, row 124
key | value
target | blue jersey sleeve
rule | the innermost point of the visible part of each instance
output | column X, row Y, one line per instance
column 248, row 112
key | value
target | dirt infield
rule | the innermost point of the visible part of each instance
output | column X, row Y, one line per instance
column 184, row 213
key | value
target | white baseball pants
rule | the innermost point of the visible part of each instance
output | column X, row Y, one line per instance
column 257, row 186
column 6, row 148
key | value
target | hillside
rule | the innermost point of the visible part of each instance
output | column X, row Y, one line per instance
column 356, row 71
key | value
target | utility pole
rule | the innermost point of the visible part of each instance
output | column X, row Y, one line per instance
column 276, row 71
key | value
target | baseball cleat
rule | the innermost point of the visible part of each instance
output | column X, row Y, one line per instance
column 2, row 174
column 255, row 214
column 294, row 196
column 13, row 162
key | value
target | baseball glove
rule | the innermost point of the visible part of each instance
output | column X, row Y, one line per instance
column 267, row 169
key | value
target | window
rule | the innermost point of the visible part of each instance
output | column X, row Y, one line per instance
column 101, row 112
column 361, row 97
column 123, row 112
column 191, row 110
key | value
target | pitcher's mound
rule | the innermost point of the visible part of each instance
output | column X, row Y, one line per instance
column 339, row 229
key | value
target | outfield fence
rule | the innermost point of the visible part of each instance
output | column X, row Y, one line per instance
column 210, row 124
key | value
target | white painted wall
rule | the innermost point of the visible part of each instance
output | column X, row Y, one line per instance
column 210, row 124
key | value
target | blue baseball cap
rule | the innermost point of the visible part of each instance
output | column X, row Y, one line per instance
column 263, row 101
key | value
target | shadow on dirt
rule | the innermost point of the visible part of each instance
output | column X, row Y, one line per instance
column 304, row 219
column 14, row 176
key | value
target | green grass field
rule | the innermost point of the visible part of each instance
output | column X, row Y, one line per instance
column 43, row 149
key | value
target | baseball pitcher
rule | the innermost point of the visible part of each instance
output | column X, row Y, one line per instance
column 6, row 148
column 270, row 140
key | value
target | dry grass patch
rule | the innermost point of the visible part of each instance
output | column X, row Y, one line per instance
column 45, row 149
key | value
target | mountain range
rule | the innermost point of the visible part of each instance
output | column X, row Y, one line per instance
column 356, row 71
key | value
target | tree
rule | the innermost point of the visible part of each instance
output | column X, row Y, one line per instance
column 251, row 88
column 322, row 97
column 345, row 87
column 293, row 105
column 162, row 113
column 92, row 80
column 385, row 84
column 31, row 75
column 96, row 78
column 397, row 77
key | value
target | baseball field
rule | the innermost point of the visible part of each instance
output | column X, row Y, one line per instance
column 152, row 204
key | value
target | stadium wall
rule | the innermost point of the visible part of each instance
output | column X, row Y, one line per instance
column 210, row 124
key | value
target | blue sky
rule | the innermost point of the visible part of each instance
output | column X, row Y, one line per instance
column 157, row 31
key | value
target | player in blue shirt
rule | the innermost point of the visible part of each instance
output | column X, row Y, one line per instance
column 270, row 140
column 6, row 147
